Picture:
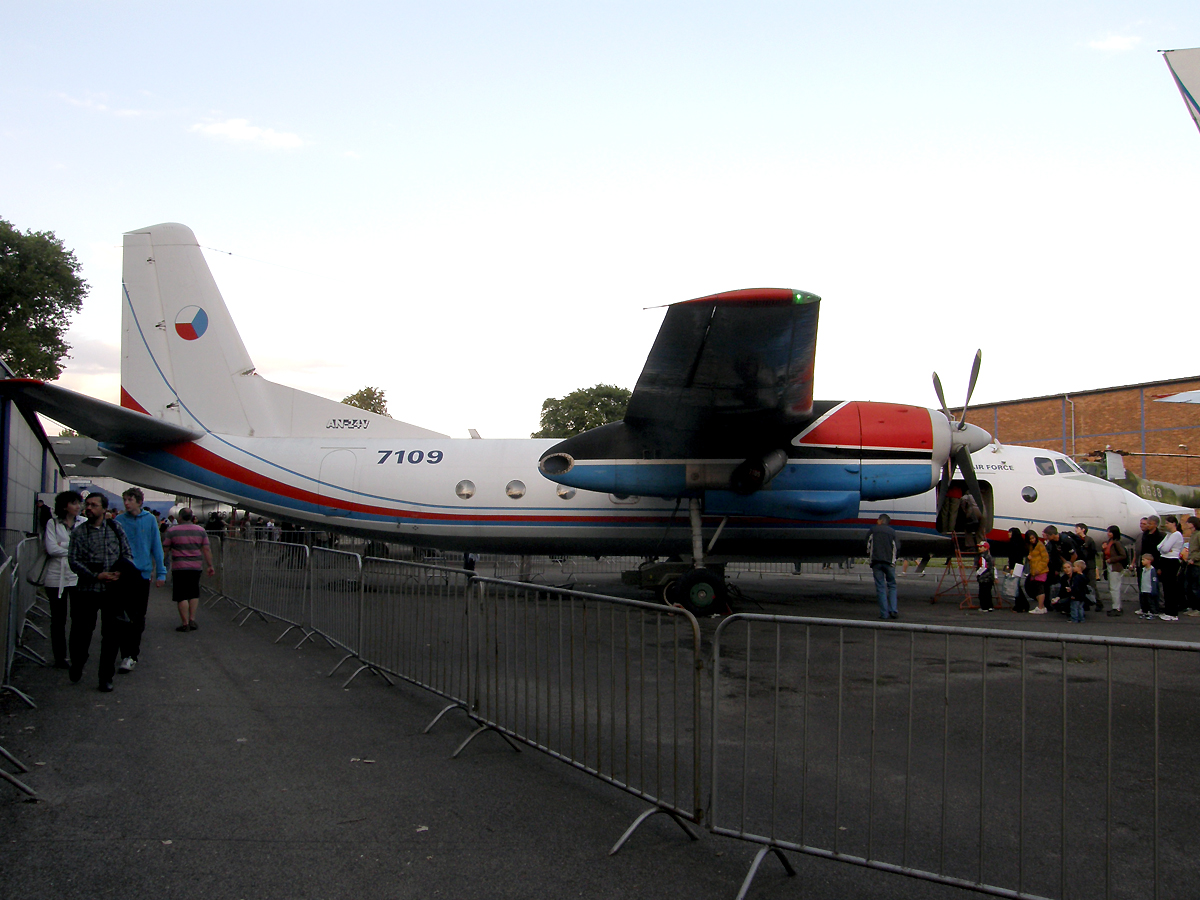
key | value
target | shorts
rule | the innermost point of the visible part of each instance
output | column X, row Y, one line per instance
column 185, row 585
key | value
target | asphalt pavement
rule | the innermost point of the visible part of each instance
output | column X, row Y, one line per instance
column 227, row 765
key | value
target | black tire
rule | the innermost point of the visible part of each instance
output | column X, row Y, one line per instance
column 701, row 592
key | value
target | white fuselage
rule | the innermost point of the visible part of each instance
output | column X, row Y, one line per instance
column 488, row 496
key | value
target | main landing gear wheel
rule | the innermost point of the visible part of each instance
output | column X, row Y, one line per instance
column 700, row 592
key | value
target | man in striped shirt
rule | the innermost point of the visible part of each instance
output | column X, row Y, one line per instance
column 187, row 544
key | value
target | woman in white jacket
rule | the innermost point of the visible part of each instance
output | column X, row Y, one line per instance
column 59, row 579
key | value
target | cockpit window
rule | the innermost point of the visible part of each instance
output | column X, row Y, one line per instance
column 1044, row 465
column 1063, row 466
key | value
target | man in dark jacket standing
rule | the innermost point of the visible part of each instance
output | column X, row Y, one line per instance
column 93, row 554
column 882, row 547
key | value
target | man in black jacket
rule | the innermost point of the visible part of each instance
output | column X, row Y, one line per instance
column 96, row 549
column 882, row 547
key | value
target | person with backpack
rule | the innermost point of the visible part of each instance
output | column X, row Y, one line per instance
column 57, row 577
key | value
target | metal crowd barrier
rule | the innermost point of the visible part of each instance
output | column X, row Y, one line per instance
column 8, row 620
column 216, row 584
column 414, row 626
column 11, row 618
column 9, row 538
column 237, row 570
column 279, row 583
column 7, row 575
column 25, row 595
column 1003, row 762
column 609, row 686
column 335, row 583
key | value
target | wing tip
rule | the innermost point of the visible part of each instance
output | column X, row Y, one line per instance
column 777, row 296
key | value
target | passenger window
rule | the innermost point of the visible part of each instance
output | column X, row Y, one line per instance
column 1044, row 466
column 1063, row 466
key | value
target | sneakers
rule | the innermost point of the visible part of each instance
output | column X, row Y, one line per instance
column 127, row 665
column 1038, row 612
column 1145, row 615
column 1191, row 612
column 192, row 626
column 1167, row 618
column 105, row 687
column 182, row 628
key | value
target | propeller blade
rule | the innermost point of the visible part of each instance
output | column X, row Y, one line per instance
column 937, row 387
column 943, row 485
column 971, row 383
column 962, row 460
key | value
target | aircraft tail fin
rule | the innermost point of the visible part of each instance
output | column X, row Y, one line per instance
column 183, row 361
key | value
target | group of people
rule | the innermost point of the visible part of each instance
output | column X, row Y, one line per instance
column 243, row 525
column 1061, row 571
column 100, row 566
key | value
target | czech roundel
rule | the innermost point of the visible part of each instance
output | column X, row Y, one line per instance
column 191, row 323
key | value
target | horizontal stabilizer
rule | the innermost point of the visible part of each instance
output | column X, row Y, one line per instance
column 98, row 419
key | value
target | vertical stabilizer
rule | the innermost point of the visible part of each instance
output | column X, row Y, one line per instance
column 183, row 361
column 1185, row 69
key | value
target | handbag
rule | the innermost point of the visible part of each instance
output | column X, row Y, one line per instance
column 39, row 580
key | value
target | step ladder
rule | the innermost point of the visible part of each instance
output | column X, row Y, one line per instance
column 955, row 579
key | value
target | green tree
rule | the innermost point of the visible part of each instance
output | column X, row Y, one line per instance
column 369, row 398
column 40, row 289
column 582, row 409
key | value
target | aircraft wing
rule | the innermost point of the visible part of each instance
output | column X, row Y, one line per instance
column 1185, row 397
column 741, row 359
column 98, row 419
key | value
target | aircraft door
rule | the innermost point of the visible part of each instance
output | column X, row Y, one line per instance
column 336, row 481
column 953, row 514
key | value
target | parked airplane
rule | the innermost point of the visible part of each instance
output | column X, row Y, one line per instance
column 722, row 418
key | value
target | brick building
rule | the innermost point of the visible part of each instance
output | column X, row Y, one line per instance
column 1119, row 418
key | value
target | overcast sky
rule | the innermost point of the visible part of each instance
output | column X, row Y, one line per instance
column 471, row 205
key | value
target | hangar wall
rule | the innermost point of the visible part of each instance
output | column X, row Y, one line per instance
column 1121, row 418
column 27, row 466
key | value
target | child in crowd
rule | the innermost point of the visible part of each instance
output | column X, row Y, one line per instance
column 1077, row 590
column 1148, row 588
column 1060, row 589
column 986, row 576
